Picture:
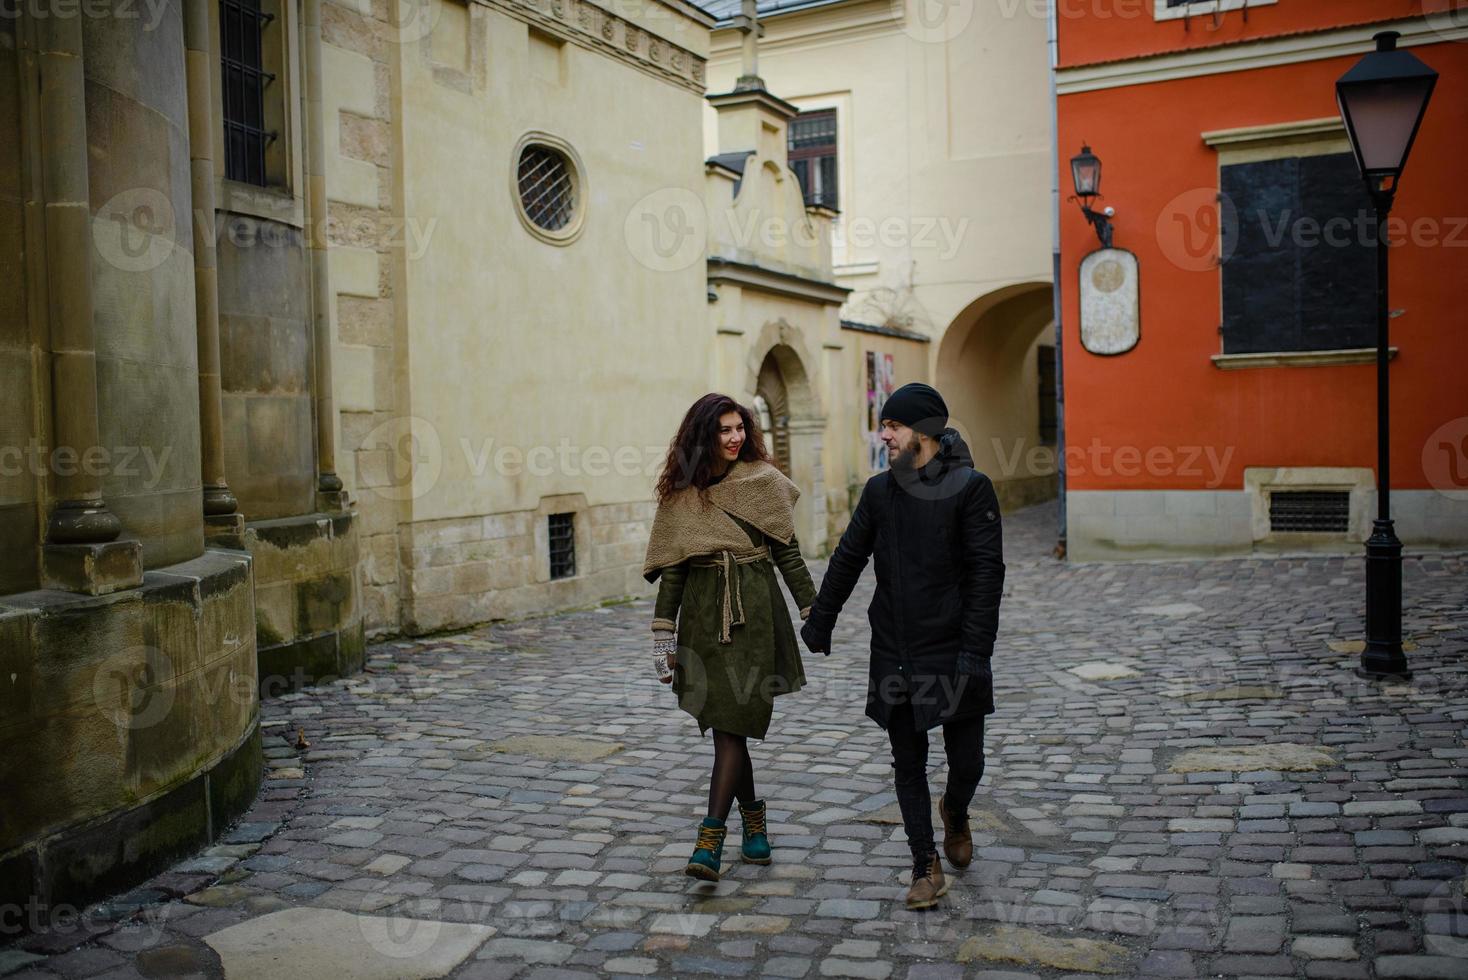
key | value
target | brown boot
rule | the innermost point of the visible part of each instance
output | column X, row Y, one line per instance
column 928, row 885
column 958, row 840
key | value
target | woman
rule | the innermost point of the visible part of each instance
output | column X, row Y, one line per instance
column 721, row 629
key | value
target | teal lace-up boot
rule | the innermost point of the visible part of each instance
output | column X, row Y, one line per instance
column 755, row 846
column 708, row 851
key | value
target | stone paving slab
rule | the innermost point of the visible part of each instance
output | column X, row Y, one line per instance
column 1185, row 778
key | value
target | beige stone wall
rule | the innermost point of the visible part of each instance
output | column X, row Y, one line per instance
column 265, row 362
column 468, row 570
column 988, row 368
column 19, row 529
column 944, row 162
column 143, row 281
column 121, row 699
column 360, row 107
column 454, row 326
column 947, row 121
column 308, row 612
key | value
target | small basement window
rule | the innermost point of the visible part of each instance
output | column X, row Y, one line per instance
column 1324, row 511
column 562, row 545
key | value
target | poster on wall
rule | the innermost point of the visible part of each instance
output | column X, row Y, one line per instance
column 879, row 387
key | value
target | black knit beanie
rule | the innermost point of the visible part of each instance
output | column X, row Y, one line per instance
column 919, row 407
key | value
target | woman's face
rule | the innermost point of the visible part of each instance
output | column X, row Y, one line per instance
column 731, row 436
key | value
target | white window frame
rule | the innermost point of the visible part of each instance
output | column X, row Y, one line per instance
column 1161, row 11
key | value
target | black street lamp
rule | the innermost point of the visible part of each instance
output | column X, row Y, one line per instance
column 1382, row 100
column 1085, row 173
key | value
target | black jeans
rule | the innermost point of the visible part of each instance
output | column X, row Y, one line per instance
column 963, row 741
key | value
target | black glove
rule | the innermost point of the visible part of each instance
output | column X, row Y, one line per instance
column 817, row 639
column 972, row 664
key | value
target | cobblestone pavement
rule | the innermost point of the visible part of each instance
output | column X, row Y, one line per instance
column 1184, row 778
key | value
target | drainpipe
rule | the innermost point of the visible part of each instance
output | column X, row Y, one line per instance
column 1055, row 289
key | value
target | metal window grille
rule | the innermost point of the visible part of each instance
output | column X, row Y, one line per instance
column 242, row 63
column 812, row 154
column 547, row 188
column 562, row 545
column 1310, row 510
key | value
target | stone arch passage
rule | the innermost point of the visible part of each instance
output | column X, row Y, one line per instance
column 778, row 378
column 991, row 371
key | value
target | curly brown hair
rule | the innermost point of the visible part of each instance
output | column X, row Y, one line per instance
column 694, row 449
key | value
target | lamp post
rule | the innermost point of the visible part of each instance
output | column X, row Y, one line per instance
column 1085, row 173
column 1382, row 100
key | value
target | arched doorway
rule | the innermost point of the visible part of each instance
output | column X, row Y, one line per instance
column 772, row 401
column 779, row 386
column 995, row 367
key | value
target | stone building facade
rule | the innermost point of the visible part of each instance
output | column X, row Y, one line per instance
column 177, row 540
column 925, row 129
column 352, row 325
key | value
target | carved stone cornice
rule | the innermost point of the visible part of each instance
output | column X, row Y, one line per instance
column 599, row 30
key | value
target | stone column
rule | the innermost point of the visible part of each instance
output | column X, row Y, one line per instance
column 82, row 553
column 220, row 505
column 329, row 493
column 746, row 22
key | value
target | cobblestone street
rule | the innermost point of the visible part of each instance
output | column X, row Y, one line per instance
column 1184, row 778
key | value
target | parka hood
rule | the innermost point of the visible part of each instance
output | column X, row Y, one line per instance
column 944, row 474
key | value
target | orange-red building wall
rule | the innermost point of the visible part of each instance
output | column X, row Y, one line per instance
column 1159, row 175
column 1109, row 30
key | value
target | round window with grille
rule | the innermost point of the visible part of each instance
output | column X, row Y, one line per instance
column 549, row 188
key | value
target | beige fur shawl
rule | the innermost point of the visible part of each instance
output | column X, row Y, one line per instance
column 685, row 527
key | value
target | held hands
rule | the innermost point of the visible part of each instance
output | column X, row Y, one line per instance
column 817, row 640
column 664, row 654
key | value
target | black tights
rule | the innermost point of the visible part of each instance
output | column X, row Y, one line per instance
column 733, row 774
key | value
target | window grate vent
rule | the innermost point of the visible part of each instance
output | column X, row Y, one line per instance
column 562, row 545
column 1326, row 511
column 547, row 187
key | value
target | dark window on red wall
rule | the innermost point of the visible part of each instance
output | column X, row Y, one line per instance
column 241, row 24
column 813, row 155
column 1301, row 271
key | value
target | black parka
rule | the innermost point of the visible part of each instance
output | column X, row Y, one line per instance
column 936, row 535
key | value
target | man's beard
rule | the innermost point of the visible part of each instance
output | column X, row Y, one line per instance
column 905, row 458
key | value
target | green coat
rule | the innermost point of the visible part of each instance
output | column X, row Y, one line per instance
column 732, row 686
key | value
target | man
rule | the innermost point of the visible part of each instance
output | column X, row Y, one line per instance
column 932, row 521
